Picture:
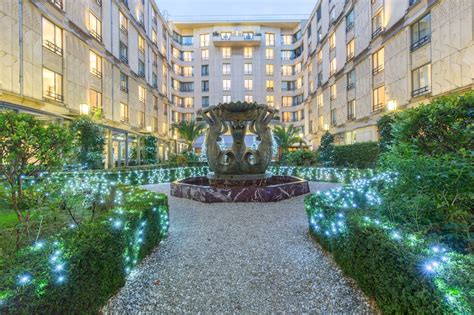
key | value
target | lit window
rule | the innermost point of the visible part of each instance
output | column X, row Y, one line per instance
column 204, row 40
column 52, row 85
column 95, row 27
column 332, row 41
column 332, row 69
column 269, row 69
column 269, row 54
column 350, row 50
column 188, row 56
column 141, row 44
column 154, row 37
column 141, row 119
column 333, row 92
column 321, row 122
column 205, row 54
column 249, row 98
column 269, row 39
column 226, row 85
column 270, row 85
column 421, row 79
column 52, row 37
column 226, row 52
column 351, row 110
column 95, row 64
column 377, row 24
column 188, row 71
column 270, row 100
column 319, row 100
column 188, row 102
column 226, row 68
column 248, row 52
column 123, row 112
column 286, row 54
column 123, row 82
column 287, row 70
column 141, row 94
column 248, row 84
column 378, row 61
column 333, row 117
column 379, row 98
column 226, row 99
column 287, row 101
column 287, row 39
column 320, row 56
column 421, row 32
column 248, row 68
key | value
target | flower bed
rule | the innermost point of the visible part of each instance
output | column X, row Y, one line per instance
column 403, row 272
column 81, row 267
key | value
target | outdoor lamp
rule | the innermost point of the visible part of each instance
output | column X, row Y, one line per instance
column 392, row 105
column 84, row 109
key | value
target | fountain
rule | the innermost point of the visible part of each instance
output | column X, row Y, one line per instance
column 239, row 174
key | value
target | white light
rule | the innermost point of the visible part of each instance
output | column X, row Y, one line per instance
column 84, row 109
column 24, row 279
column 392, row 105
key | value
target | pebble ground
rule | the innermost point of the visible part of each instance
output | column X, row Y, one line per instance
column 238, row 258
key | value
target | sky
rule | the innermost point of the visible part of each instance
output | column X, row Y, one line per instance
column 196, row 8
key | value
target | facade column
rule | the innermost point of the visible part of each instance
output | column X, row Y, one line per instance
column 119, row 154
column 126, row 149
column 110, row 150
column 139, row 149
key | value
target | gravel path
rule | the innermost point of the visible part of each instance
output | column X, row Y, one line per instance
column 238, row 258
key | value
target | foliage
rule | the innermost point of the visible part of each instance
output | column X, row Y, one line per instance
column 300, row 158
column 28, row 147
column 148, row 152
column 358, row 155
column 286, row 137
column 432, row 152
column 326, row 150
column 183, row 158
column 95, row 258
column 189, row 131
column 89, row 142
column 384, row 126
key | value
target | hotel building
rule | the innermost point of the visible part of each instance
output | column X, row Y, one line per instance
column 337, row 70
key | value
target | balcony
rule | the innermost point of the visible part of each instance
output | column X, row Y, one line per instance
column 421, row 42
column 236, row 39
column 124, row 59
column 377, row 69
column 420, row 91
column 96, row 35
column 53, row 47
column 378, row 107
column 377, row 32
column 52, row 95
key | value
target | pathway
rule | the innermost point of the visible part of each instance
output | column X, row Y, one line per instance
column 250, row 258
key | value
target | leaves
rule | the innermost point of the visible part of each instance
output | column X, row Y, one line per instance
column 189, row 131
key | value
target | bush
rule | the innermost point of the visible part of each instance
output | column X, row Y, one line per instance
column 184, row 158
column 326, row 150
column 358, row 155
column 89, row 142
column 79, row 269
column 300, row 158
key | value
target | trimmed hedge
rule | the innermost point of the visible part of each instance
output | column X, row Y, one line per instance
column 322, row 174
column 403, row 273
column 357, row 155
column 81, row 268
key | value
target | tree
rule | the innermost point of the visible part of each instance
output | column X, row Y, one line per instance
column 148, row 151
column 88, row 142
column 326, row 149
column 189, row 131
column 286, row 137
column 27, row 148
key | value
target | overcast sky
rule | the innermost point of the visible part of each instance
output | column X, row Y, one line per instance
column 235, row 7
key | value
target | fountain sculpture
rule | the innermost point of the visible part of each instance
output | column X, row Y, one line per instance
column 239, row 174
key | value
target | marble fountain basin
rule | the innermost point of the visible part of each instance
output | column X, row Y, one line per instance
column 272, row 189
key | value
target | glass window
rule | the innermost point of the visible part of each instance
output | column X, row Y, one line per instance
column 249, row 98
column 333, row 117
column 205, row 86
column 188, row 102
column 226, row 68
column 286, row 54
column 421, row 32
column 377, row 23
column 351, row 110
column 378, row 61
column 351, row 79
column 226, row 99
column 123, row 112
column 379, row 98
column 95, row 66
column 95, row 27
column 226, row 52
column 205, row 54
column 248, row 68
column 287, row 101
column 270, row 85
column 332, row 41
column 188, row 71
column 248, row 52
column 287, row 39
column 349, row 20
column 123, row 52
column 95, row 100
column 332, row 69
column 333, row 92
column 248, row 84
column 188, row 56
column 205, row 101
column 421, row 80
column 52, row 37
column 350, row 50
column 269, row 54
column 205, row 70
column 226, row 85
column 269, row 69
column 141, row 94
column 141, row 44
column 269, row 39
column 204, row 40
column 52, row 85
column 123, row 82
column 270, row 100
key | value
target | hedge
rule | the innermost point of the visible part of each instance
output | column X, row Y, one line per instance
column 80, row 268
column 357, row 155
column 403, row 273
column 322, row 174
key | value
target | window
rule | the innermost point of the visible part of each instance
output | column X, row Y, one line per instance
column 321, row 122
column 123, row 52
column 154, row 124
column 350, row 21
column 249, row 98
column 286, row 54
column 421, row 80
column 188, row 56
column 350, row 50
column 333, row 92
column 287, row 101
column 95, row 27
column 248, row 84
column 378, row 61
column 287, row 39
column 248, row 52
column 319, row 100
column 269, row 39
column 286, row 70
column 188, row 71
column 226, row 99
column 204, row 40
column 351, row 79
column 95, row 100
column 52, row 85
column 332, row 41
column 320, row 78
column 269, row 69
column 377, row 24
column 226, row 52
column 186, row 87
column 154, row 37
column 188, row 102
column 123, row 82
column 205, row 101
column 205, row 86
column 52, row 37
column 205, row 54
column 270, row 85
column 141, row 94
column 333, row 117
column 421, row 32
column 270, row 100
column 154, row 80
column 141, row 44
column 379, row 98
column 205, row 70
column 332, row 15
column 287, row 117
column 318, row 14
column 310, row 29
column 269, row 54
column 141, row 118
column 155, row 59
column 226, row 68
column 351, row 110
column 95, row 66
column 248, row 68
column 332, row 69
column 226, row 85
column 320, row 56
column 320, row 35
column 123, row 112
column 141, row 68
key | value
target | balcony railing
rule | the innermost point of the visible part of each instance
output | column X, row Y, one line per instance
column 124, row 87
column 124, row 29
column 421, row 42
column 57, row 3
column 124, row 59
column 141, row 73
column 420, row 91
column 51, row 94
column 350, row 56
column 124, row 119
column 377, row 32
column 350, row 86
column 96, row 35
column 377, row 69
column 378, row 106
column 351, row 117
column 349, row 27
column 96, row 72
column 53, row 47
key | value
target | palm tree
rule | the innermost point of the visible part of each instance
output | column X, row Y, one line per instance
column 189, row 131
column 285, row 138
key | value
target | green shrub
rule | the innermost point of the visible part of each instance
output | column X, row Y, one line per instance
column 184, row 158
column 89, row 142
column 300, row 158
column 95, row 258
column 326, row 150
column 357, row 155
